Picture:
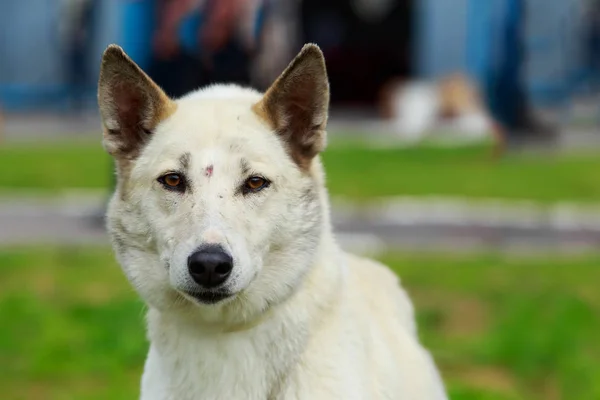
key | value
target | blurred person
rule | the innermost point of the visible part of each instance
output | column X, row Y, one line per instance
column 205, row 41
column 367, row 43
column 77, row 30
column 507, row 97
column 593, row 39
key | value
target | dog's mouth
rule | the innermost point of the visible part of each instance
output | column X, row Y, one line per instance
column 209, row 297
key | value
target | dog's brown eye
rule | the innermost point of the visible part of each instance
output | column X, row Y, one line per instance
column 172, row 181
column 255, row 183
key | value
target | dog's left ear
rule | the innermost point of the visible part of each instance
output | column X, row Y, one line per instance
column 297, row 104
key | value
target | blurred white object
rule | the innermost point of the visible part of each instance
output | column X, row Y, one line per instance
column 463, row 107
column 415, row 108
column 474, row 124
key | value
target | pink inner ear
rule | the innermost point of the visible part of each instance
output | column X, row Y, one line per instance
column 129, row 102
column 208, row 171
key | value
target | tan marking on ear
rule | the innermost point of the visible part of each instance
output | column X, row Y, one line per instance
column 262, row 113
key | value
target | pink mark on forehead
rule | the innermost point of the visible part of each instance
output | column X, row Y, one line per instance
column 208, row 171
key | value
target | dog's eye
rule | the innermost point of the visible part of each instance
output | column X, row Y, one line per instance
column 255, row 184
column 172, row 182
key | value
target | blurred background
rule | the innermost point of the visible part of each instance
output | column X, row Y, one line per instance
column 464, row 152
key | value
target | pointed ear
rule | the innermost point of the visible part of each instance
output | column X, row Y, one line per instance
column 297, row 104
column 131, row 104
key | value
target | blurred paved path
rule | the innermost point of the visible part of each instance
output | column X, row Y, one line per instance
column 444, row 224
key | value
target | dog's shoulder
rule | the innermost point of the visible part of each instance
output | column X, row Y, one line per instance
column 381, row 289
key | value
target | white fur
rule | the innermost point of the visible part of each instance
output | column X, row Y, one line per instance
column 308, row 321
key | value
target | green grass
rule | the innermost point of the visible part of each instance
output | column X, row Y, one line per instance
column 53, row 167
column 353, row 171
column 471, row 172
column 509, row 328
column 501, row 328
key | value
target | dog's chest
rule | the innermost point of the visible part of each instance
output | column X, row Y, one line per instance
column 238, row 366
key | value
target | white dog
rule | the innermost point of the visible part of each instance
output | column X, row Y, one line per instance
column 220, row 220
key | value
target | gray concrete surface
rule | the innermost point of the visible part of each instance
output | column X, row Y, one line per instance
column 396, row 225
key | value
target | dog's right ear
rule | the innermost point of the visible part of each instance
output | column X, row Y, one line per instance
column 131, row 104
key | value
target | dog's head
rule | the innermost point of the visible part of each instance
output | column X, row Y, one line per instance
column 219, row 200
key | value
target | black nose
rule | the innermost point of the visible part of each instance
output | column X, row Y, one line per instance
column 210, row 266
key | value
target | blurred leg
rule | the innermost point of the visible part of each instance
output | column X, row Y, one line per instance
column 510, row 104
